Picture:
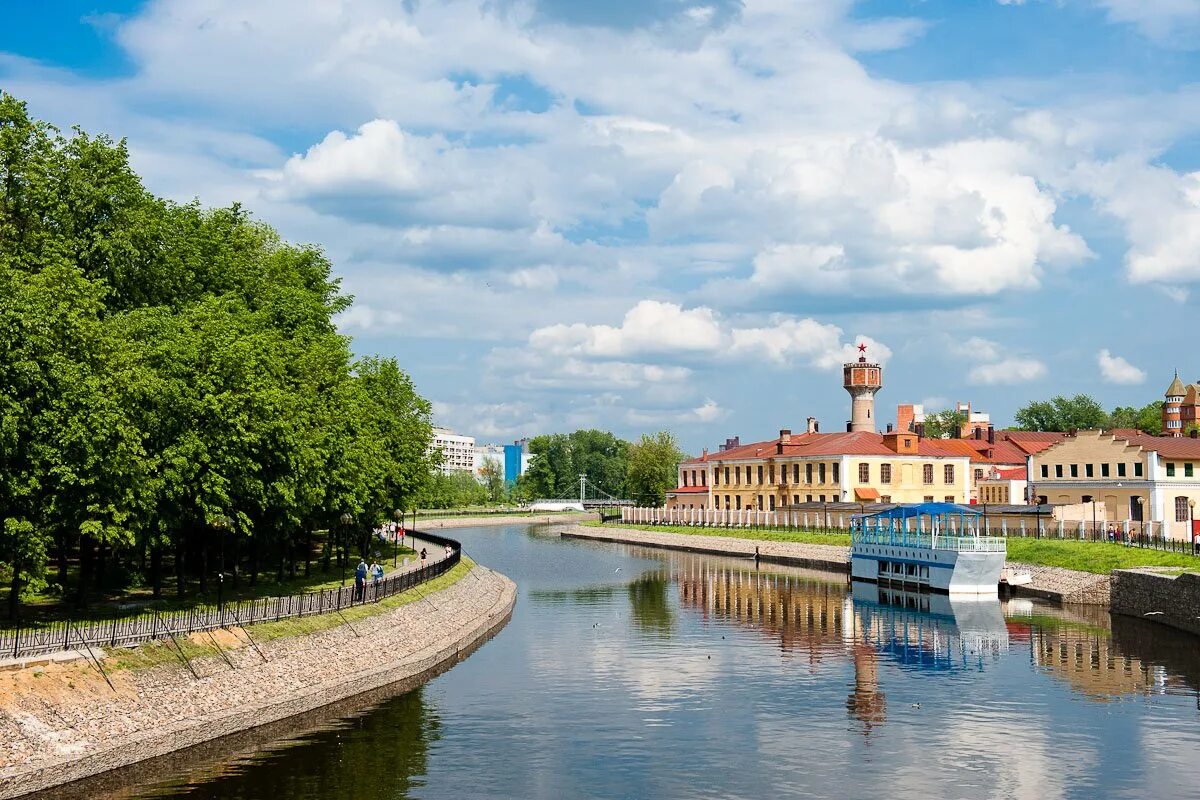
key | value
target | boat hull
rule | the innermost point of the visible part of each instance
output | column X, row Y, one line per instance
column 955, row 572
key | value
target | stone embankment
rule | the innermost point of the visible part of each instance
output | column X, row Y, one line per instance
column 62, row 723
column 1164, row 598
column 1052, row 583
column 431, row 524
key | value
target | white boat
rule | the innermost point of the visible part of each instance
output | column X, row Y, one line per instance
column 932, row 545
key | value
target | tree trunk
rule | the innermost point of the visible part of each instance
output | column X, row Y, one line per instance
column 61, row 558
column 307, row 547
column 85, row 569
column 180, row 581
column 156, row 569
column 203, row 561
column 254, row 558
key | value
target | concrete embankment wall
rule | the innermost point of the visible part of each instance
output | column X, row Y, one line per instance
column 62, row 723
column 1050, row 583
column 1167, row 599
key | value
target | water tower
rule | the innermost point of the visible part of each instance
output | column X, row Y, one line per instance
column 862, row 379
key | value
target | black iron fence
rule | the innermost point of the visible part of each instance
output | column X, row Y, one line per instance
column 145, row 626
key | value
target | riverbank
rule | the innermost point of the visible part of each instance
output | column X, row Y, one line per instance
column 513, row 519
column 1051, row 583
column 61, row 723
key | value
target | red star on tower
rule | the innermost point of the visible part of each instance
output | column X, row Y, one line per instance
column 862, row 347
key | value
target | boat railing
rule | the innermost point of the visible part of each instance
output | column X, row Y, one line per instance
column 940, row 541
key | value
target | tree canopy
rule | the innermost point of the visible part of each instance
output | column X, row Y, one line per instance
column 171, row 376
column 560, row 458
column 653, row 468
column 1083, row 412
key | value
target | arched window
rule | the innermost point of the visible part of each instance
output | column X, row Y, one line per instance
column 1181, row 509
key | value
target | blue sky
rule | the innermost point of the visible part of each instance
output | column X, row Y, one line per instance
column 685, row 215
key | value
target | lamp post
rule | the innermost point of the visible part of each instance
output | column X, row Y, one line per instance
column 1093, row 519
column 826, row 507
column 399, row 515
column 346, row 519
column 985, row 527
column 221, row 524
column 1192, row 524
column 1142, row 519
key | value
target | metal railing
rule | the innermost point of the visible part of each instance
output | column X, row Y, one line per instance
column 941, row 541
column 151, row 625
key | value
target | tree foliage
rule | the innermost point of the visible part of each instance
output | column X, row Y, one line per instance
column 559, row 459
column 173, row 390
column 944, row 424
column 1083, row 412
column 653, row 468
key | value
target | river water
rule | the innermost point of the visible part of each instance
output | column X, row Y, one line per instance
column 631, row 673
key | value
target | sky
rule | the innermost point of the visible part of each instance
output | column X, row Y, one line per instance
column 664, row 214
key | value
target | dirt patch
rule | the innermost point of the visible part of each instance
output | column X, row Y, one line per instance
column 228, row 640
column 54, row 683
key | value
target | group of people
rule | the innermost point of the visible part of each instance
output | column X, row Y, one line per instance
column 375, row 572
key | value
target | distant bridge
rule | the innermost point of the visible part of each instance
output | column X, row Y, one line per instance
column 590, row 496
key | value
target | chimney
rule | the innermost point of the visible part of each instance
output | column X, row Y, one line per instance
column 889, row 428
column 849, row 427
column 904, row 417
column 991, row 435
column 920, row 426
column 812, row 425
column 1195, row 434
column 978, row 434
column 705, row 453
column 785, row 436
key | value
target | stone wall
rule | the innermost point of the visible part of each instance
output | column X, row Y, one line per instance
column 1168, row 599
column 62, row 723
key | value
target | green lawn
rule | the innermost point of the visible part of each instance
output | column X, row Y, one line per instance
column 1100, row 558
column 160, row 652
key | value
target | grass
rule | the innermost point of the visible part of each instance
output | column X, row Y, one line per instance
column 154, row 654
column 1100, row 558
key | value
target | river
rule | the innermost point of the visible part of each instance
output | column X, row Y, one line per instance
column 628, row 672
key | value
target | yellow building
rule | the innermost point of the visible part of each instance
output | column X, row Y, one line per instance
column 1140, row 478
column 814, row 467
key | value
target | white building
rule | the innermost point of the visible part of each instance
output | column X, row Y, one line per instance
column 458, row 452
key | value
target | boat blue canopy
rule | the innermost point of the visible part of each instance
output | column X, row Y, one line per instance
column 923, row 510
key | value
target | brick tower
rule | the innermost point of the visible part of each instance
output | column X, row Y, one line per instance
column 862, row 380
column 1172, row 410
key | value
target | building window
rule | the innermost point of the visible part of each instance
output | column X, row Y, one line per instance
column 737, row 498
column 771, row 501
column 928, row 498
column 1088, row 471
column 864, row 473
column 948, row 473
column 1087, row 498
column 822, row 498
column 1074, row 470
column 684, row 475
column 1170, row 469
column 1104, row 470
column 795, row 499
column 1121, row 470
column 1187, row 470
column 1137, row 469
column 795, row 473
column 821, row 473
column 760, row 503
column 809, row 498
column 949, row 498
column 1045, row 470
column 978, row 474
column 704, row 478
column 727, row 476
column 885, row 498
column 836, row 467
column 1181, row 509
column 885, row 473
column 727, row 502
column 760, row 473
column 808, row 473
column 749, row 475
column 1058, row 470
column 771, row 473
column 927, row 475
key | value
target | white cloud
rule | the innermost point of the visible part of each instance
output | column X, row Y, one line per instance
column 1007, row 371
column 978, row 348
column 1115, row 369
column 654, row 328
column 1172, row 21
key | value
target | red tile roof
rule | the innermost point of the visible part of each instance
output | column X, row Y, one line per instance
column 1018, row 474
column 688, row 490
column 863, row 443
column 1169, row 446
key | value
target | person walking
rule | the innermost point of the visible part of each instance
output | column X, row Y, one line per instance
column 449, row 551
column 376, row 573
column 360, row 579
column 424, row 555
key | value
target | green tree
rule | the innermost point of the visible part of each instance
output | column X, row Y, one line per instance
column 653, row 468
column 1148, row 418
column 559, row 459
column 1061, row 414
column 492, row 473
column 944, row 424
